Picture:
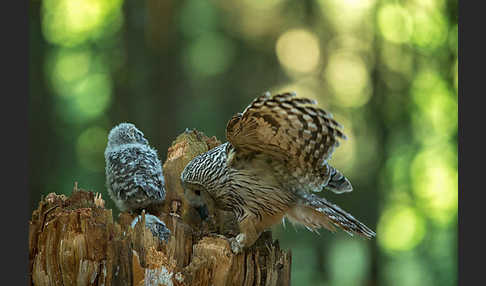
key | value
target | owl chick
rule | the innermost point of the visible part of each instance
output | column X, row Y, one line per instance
column 155, row 225
column 274, row 162
column 133, row 171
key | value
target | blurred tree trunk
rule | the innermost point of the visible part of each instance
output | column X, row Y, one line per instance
column 75, row 241
column 40, row 123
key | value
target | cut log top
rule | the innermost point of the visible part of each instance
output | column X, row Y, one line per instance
column 75, row 240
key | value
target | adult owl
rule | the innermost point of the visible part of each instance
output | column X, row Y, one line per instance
column 272, row 167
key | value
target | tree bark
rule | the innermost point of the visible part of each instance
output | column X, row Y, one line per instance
column 75, row 241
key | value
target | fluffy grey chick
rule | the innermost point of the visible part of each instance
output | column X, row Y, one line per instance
column 133, row 171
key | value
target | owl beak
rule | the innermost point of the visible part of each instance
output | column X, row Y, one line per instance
column 202, row 211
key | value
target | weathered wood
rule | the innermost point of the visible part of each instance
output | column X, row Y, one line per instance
column 75, row 241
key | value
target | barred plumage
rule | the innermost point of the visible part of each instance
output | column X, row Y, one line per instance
column 275, row 159
column 133, row 171
column 155, row 225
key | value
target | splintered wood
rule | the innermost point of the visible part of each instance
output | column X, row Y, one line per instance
column 75, row 241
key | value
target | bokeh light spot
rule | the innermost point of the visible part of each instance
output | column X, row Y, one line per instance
column 71, row 66
column 71, row 22
column 346, row 14
column 400, row 228
column 398, row 59
column 68, row 66
column 253, row 20
column 90, row 148
column 357, row 4
column 93, row 95
column 395, row 23
column 427, row 4
column 348, row 78
column 209, row 55
column 398, row 161
column 455, row 74
column 430, row 29
column 435, row 118
column 435, row 183
column 298, row 50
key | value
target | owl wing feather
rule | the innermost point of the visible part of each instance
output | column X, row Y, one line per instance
column 292, row 131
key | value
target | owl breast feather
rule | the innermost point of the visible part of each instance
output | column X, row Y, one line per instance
column 135, row 168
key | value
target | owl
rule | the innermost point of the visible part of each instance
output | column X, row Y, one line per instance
column 133, row 171
column 272, row 167
column 155, row 225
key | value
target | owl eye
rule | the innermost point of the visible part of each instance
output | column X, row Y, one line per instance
column 197, row 192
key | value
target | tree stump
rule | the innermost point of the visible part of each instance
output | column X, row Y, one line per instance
column 75, row 241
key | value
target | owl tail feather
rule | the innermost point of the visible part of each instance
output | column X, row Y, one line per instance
column 315, row 212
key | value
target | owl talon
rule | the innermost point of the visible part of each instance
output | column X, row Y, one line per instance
column 237, row 243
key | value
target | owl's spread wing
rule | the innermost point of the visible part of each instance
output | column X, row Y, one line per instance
column 290, row 130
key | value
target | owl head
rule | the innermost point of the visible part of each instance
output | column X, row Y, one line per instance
column 125, row 133
column 198, row 198
column 202, row 176
column 195, row 191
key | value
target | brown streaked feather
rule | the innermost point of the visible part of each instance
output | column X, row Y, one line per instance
column 281, row 125
column 290, row 130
